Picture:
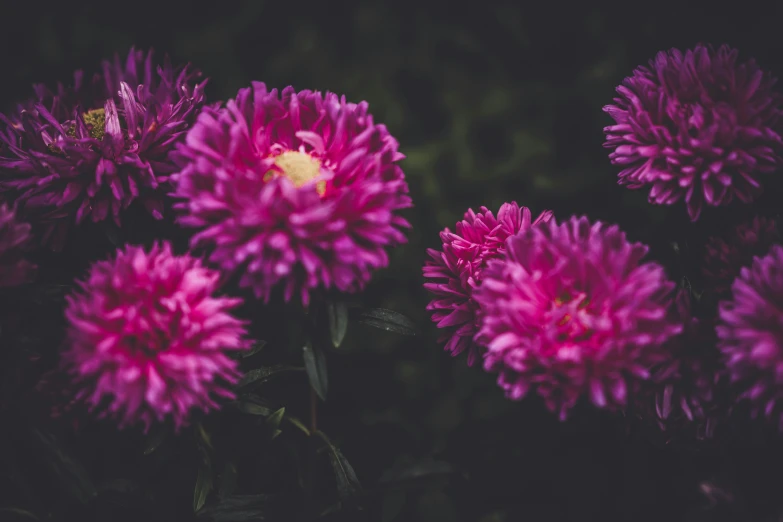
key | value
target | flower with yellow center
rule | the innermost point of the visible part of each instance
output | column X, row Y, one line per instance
column 299, row 167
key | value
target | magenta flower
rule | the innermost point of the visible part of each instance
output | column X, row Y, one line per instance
column 14, row 243
column 147, row 336
column 89, row 150
column 696, row 126
column 296, row 190
column 684, row 393
column 725, row 256
column 456, row 270
column 750, row 335
column 570, row 310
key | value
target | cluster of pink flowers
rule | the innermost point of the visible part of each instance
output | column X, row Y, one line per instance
column 299, row 192
column 570, row 309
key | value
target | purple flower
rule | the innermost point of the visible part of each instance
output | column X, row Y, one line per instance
column 147, row 336
column 750, row 335
column 572, row 310
column 726, row 255
column 696, row 126
column 294, row 190
column 14, row 243
column 684, row 394
column 456, row 270
column 89, row 150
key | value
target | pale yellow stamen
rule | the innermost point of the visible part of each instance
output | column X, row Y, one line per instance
column 299, row 167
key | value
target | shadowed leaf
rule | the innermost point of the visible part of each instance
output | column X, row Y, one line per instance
column 338, row 322
column 315, row 365
column 387, row 320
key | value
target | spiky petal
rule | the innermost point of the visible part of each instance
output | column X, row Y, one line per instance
column 571, row 310
column 147, row 340
column 697, row 126
column 455, row 270
column 750, row 335
column 89, row 150
column 15, row 241
column 292, row 190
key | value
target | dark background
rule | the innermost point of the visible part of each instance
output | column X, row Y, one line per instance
column 490, row 102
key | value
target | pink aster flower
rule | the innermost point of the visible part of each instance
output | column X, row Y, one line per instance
column 296, row 190
column 697, row 126
column 147, row 336
column 570, row 310
column 725, row 256
column 456, row 270
column 684, row 393
column 750, row 335
column 14, row 242
column 89, row 150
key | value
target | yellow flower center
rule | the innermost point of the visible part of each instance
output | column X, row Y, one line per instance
column 299, row 167
column 95, row 120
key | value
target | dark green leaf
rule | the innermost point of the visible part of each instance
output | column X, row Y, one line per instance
column 203, row 485
column 260, row 375
column 202, row 437
column 274, row 420
column 348, row 485
column 70, row 473
column 155, row 440
column 338, row 322
column 257, row 347
column 315, row 365
column 299, row 424
column 112, row 233
column 20, row 514
column 228, row 480
column 387, row 320
column 254, row 405
column 393, row 504
column 237, row 508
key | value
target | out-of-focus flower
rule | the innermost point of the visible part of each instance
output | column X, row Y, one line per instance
column 14, row 243
column 147, row 336
column 750, row 335
column 456, row 270
column 684, row 395
column 697, row 126
column 725, row 256
column 572, row 310
column 297, row 190
column 89, row 150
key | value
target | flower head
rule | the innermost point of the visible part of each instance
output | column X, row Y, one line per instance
column 750, row 334
column 89, row 150
column 726, row 255
column 697, row 126
column 684, row 393
column 14, row 242
column 456, row 270
column 297, row 190
column 146, row 335
column 570, row 310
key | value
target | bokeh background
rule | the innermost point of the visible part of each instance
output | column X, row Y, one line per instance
column 490, row 102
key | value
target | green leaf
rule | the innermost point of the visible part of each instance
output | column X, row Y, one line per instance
column 20, row 513
column 70, row 473
column 299, row 424
column 254, row 405
column 388, row 320
column 417, row 473
column 274, row 420
column 238, row 508
column 203, row 485
column 228, row 480
column 260, row 375
column 155, row 440
column 338, row 322
column 257, row 347
column 315, row 365
column 348, row 485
